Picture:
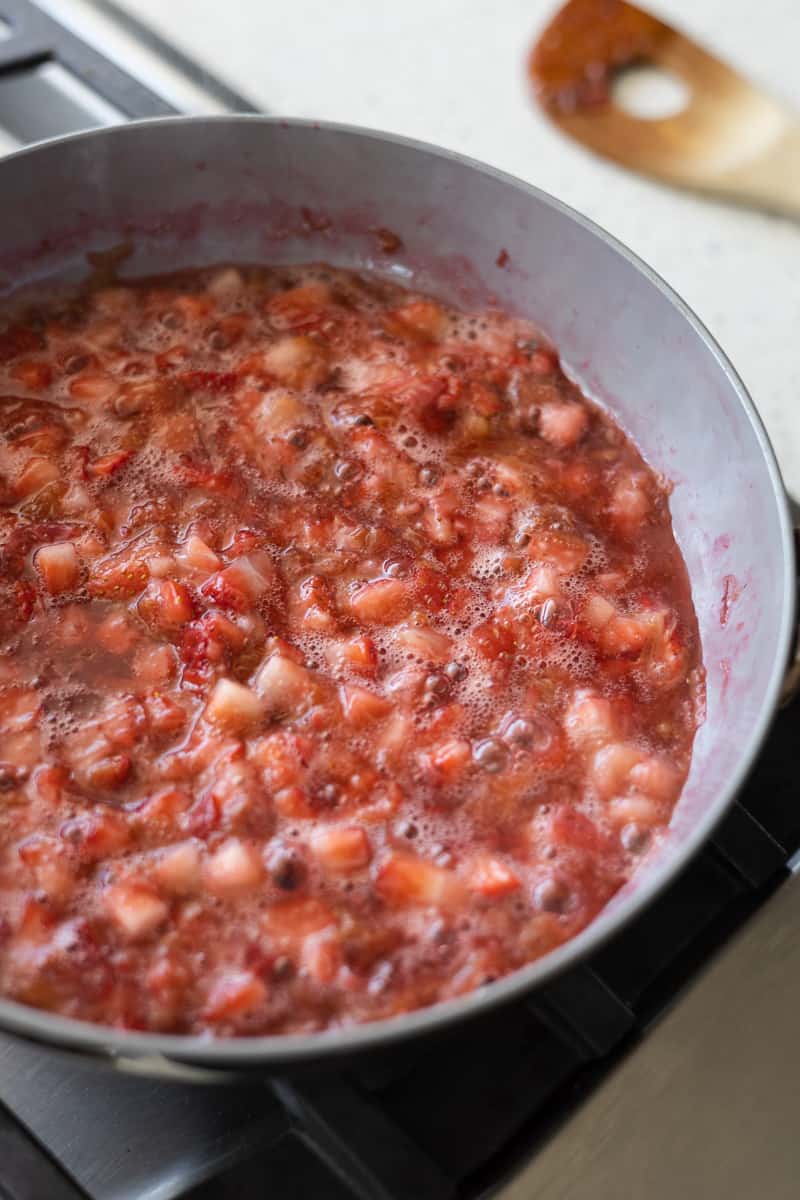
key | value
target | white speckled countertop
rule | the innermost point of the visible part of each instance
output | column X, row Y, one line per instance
column 453, row 74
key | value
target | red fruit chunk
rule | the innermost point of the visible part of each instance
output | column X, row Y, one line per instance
column 492, row 878
column 165, row 605
column 341, row 850
column 234, row 995
column 403, row 879
column 136, row 910
column 109, row 464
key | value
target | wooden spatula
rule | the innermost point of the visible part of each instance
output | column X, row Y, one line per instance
column 731, row 139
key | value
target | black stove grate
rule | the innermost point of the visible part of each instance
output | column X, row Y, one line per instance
column 451, row 1118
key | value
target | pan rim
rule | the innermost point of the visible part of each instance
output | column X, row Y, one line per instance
column 281, row 1050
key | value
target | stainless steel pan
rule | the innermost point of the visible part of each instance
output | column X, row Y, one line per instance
column 193, row 191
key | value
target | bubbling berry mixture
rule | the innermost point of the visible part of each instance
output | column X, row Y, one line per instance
column 348, row 659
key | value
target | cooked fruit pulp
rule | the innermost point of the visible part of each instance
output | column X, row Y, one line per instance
column 348, row 657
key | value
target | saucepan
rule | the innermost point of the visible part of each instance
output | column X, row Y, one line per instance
column 192, row 191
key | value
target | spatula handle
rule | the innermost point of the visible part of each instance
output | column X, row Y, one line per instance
column 770, row 179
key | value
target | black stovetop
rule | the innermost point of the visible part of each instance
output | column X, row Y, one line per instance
column 448, row 1119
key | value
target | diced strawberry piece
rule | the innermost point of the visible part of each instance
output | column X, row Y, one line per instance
column 242, row 583
column 58, row 565
column 50, row 783
column 425, row 643
column 321, row 956
column 492, row 640
column 566, row 551
column 563, row 424
column 53, row 873
column 35, row 475
column 356, row 654
column 295, row 361
column 635, row 809
column 590, row 720
column 611, row 768
column 294, row 802
column 341, row 850
column 423, row 318
column 122, row 722
column 300, row 307
column 162, row 813
column 450, row 759
column 226, row 285
column 165, row 605
column 235, row 994
column 136, row 909
column 629, row 504
column 109, row 464
column 362, row 707
column 284, row 686
column 203, row 817
column 403, row 879
column 233, row 869
column 119, row 576
column 95, row 386
column 493, row 878
column 297, row 917
column 656, row 778
column 178, row 869
column 201, row 476
column 165, row 717
column 208, row 641
column 107, row 774
column 381, row 602
column 197, row 555
column 234, row 706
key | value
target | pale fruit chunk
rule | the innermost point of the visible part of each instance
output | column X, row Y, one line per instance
column 656, row 778
column 404, row 879
column 197, row 555
column 426, row 643
column 284, row 686
column 590, row 720
column 234, row 994
column 36, row 474
column 178, row 870
column 278, row 412
column 641, row 810
column 492, row 878
column 562, row 424
column 232, row 869
column 630, row 503
column 253, row 574
column 361, row 706
column 226, row 284
column 292, row 359
column 612, row 766
column 381, row 602
column 341, row 851
column 58, row 565
column 234, row 706
column 135, row 909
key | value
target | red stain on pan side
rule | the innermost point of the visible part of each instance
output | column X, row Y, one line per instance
column 730, row 594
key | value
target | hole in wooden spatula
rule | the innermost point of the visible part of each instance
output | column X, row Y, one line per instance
column 649, row 92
